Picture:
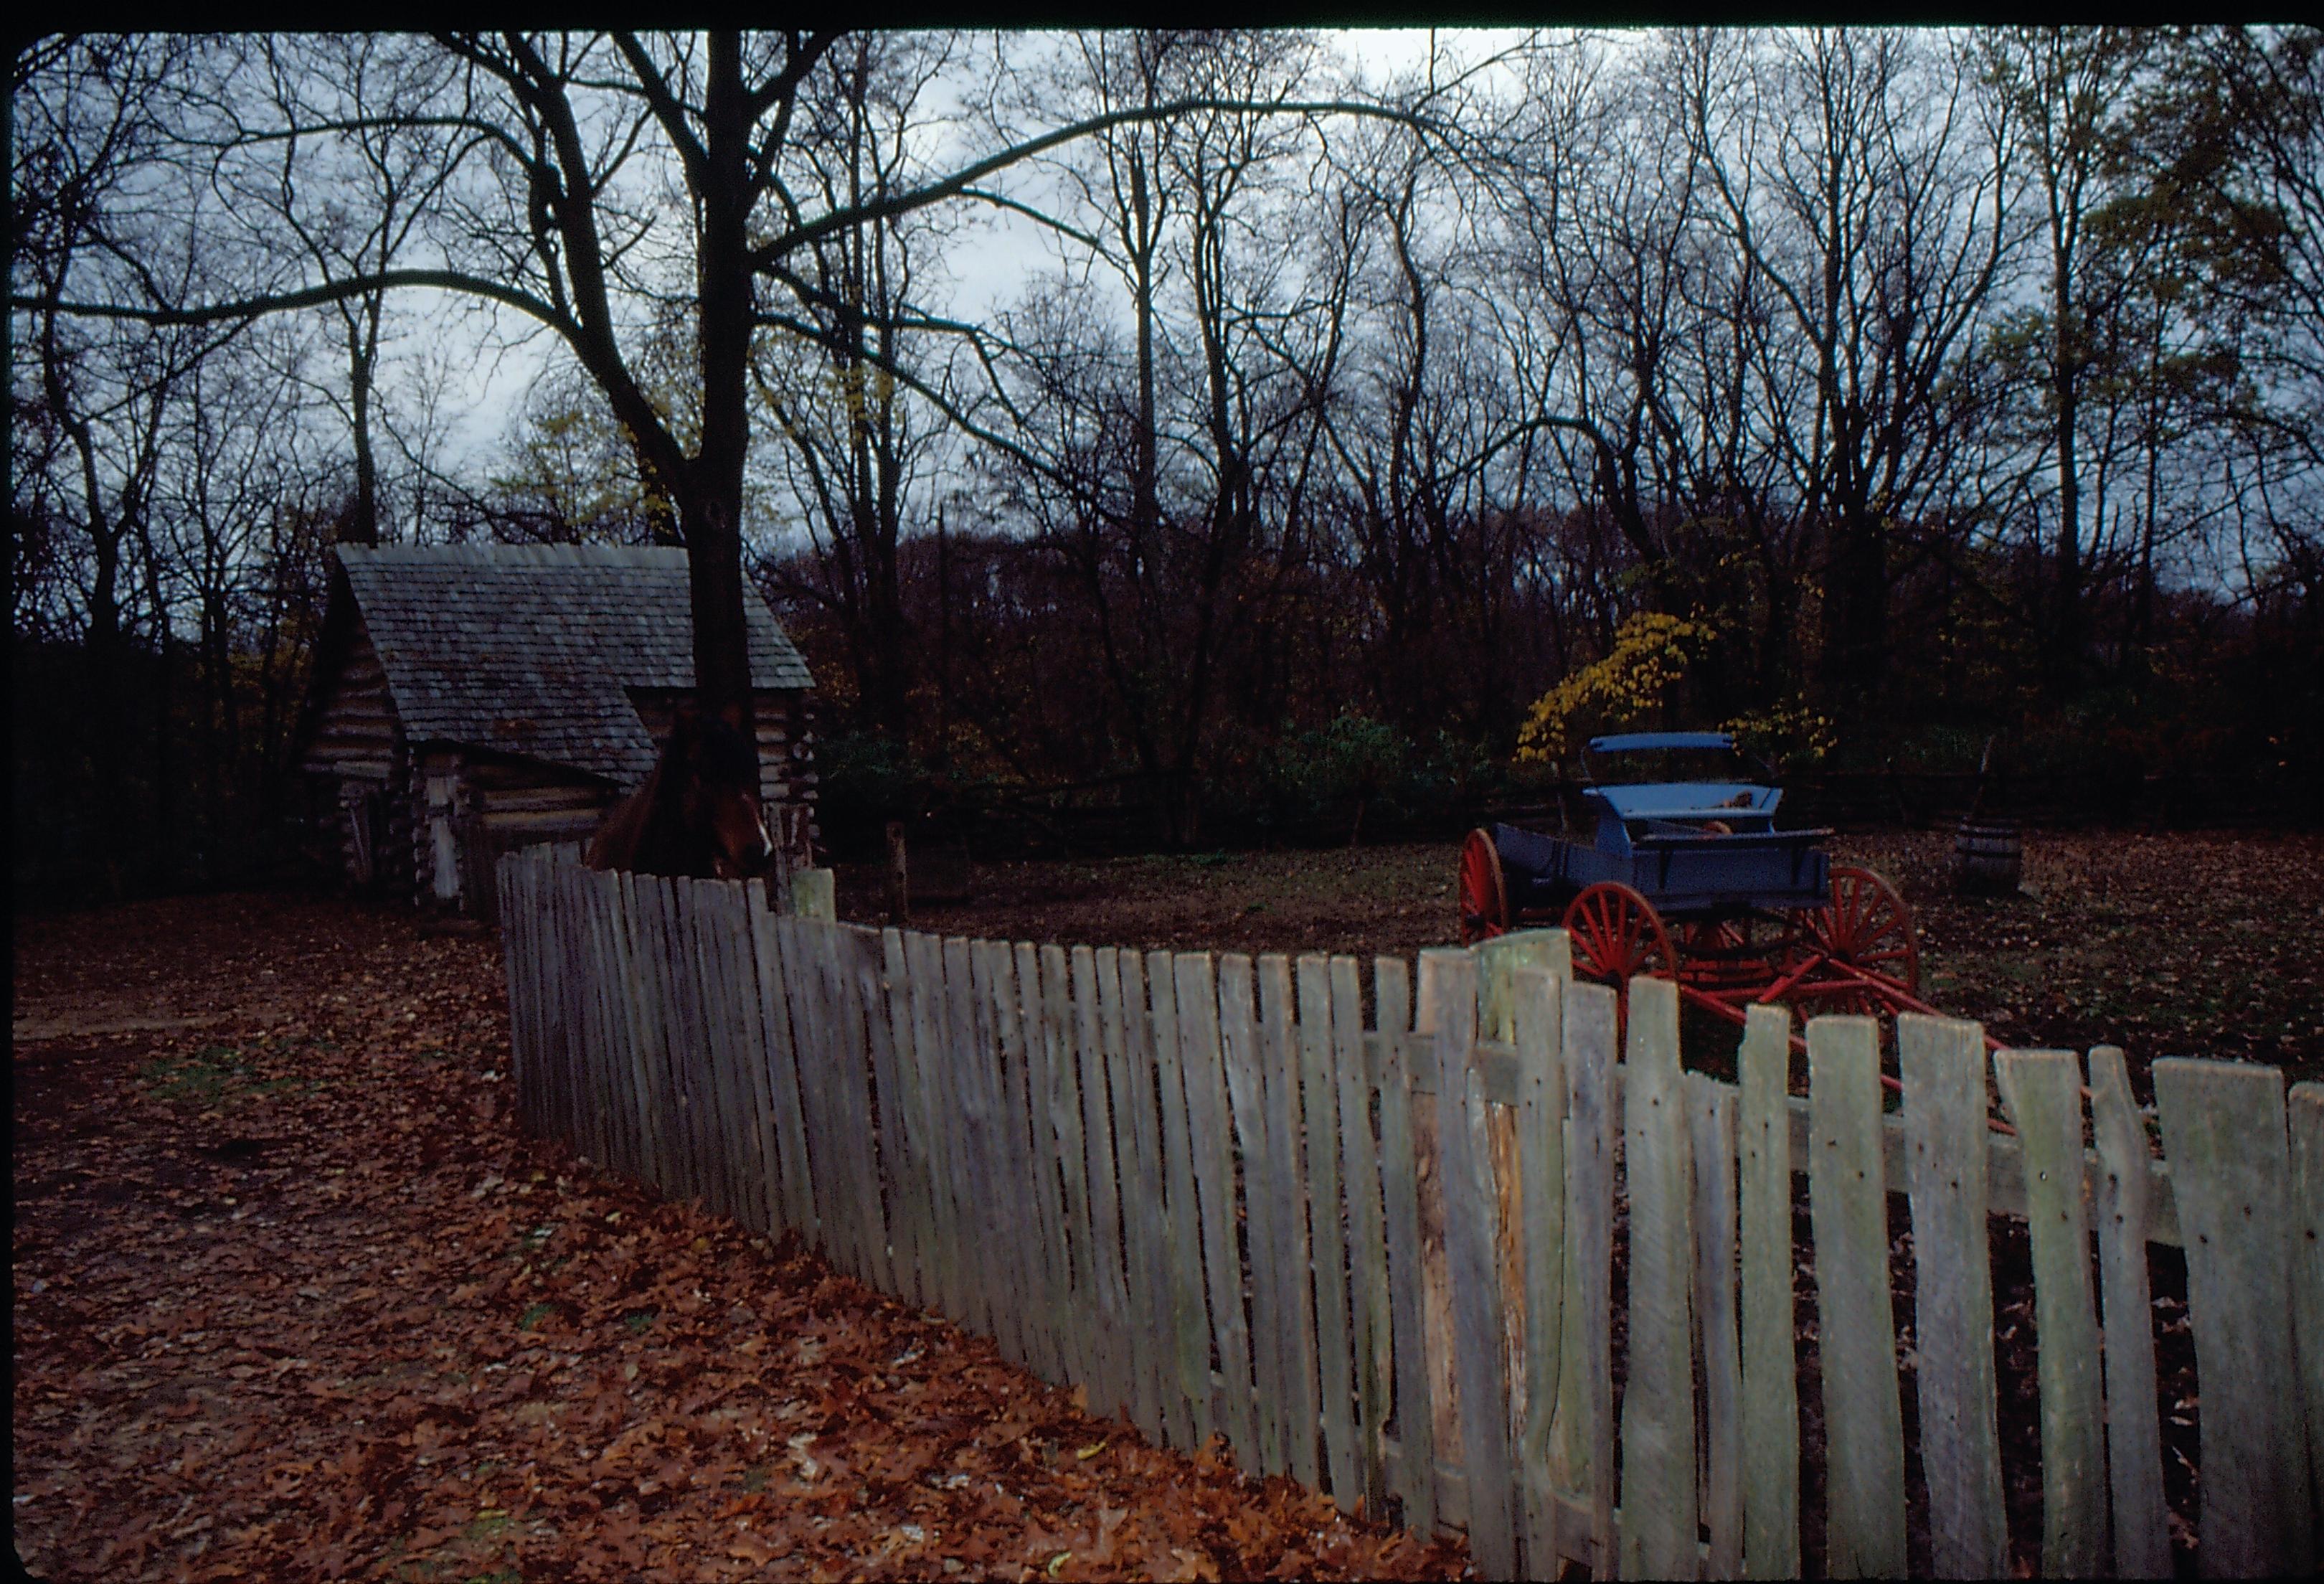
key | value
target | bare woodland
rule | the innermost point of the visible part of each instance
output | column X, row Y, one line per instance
column 1311, row 423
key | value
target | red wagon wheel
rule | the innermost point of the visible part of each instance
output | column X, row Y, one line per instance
column 1867, row 926
column 1484, row 896
column 1617, row 934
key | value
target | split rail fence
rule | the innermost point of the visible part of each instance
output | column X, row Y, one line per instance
column 1375, row 1251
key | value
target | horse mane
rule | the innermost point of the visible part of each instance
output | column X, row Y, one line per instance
column 622, row 829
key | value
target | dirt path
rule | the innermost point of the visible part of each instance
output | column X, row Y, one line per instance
column 292, row 1298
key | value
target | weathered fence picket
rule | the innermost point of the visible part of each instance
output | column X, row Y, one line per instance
column 1233, row 1411
column 1771, row 1415
column 1536, row 1017
column 1292, row 1277
column 1360, row 1176
column 1335, row 1362
column 782, row 1084
column 1465, row 1169
column 2043, row 1090
column 1380, row 1259
column 1130, row 1067
column 2306, row 1108
column 1111, row 1392
column 1187, row 1380
column 1863, row 1436
column 1942, row 1063
column 1591, row 1017
column 2142, row 1537
column 1016, row 1249
column 2223, row 1131
column 1718, row 1355
column 1413, row 1473
column 1658, row 1472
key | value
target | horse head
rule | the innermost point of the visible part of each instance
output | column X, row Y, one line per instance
column 714, row 769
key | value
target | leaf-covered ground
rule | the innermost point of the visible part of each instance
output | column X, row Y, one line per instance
column 292, row 1298
column 2196, row 943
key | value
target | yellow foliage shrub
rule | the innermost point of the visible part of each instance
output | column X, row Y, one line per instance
column 1650, row 656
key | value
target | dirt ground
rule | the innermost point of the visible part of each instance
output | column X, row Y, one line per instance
column 2194, row 944
column 292, row 1298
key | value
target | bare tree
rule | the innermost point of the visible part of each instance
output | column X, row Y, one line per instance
column 611, row 184
column 854, row 444
column 347, row 114
column 2071, row 89
column 1853, row 177
column 101, row 396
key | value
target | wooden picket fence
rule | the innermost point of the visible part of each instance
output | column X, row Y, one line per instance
column 1376, row 1253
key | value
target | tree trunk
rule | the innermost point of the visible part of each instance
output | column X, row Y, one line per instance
column 710, row 513
column 362, row 353
column 1856, row 616
column 2066, row 592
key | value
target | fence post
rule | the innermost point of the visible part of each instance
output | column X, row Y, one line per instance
column 813, row 894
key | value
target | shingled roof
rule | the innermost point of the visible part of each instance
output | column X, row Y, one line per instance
column 527, row 649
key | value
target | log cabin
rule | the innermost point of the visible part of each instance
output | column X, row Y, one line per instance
column 470, row 699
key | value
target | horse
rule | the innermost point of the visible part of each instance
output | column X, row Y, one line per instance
column 696, row 815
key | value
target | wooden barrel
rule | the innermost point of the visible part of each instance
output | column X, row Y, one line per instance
column 1988, row 857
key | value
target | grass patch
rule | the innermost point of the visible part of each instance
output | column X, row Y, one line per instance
column 534, row 1313
column 215, row 1075
column 488, row 1524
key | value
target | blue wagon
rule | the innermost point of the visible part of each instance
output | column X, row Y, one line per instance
column 1687, row 877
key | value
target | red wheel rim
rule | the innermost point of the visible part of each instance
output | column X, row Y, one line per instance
column 1617, row 934
column 1867, row 926
column 1484, row 900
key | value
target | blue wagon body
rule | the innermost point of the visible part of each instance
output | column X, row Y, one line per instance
column 1696, row 849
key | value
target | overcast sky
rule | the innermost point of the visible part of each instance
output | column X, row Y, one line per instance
column 989, row 267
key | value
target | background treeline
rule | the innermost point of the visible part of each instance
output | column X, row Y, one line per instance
column 1930, row 387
